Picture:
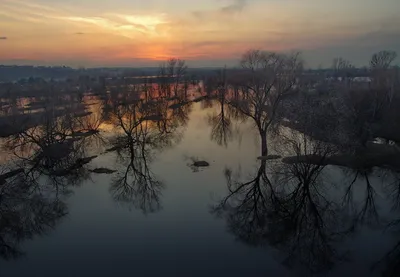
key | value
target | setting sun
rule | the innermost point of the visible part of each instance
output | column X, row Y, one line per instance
column 94, row 32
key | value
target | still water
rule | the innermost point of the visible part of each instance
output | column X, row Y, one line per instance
column 157, row 215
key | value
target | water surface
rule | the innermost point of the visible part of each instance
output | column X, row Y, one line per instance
column 157, row 215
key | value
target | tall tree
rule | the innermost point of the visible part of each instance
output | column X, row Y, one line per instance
column 266, row 78
column 383, row 77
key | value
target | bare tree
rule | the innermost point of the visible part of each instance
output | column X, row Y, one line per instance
column 172, row 72
column 266, row 79
column 221, row 122
column 163, row 82
column 383, row 78
column 342, row 69
column 177, row 69
column 382, row 59
column 340, row 64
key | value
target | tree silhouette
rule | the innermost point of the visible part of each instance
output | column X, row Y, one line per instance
column 266, row 78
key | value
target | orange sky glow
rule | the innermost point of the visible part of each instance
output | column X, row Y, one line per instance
column 129, row 33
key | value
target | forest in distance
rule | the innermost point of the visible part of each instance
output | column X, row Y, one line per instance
column 308, row 124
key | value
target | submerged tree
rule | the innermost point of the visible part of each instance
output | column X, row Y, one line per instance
column 221, row 121
column 171, row 74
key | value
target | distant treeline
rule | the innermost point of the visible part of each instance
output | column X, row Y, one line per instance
column 14, row 73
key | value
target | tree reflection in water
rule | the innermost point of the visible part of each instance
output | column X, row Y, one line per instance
column 389, row 264
column 221, row 121
column 286, row 205
column 145, row 127
column 137, row 185
column 291, row 205
column 366, row 212
column 27, row 210
column 224, row 118
column 50, row 159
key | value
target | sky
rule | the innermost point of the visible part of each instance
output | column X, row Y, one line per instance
column 204, row 33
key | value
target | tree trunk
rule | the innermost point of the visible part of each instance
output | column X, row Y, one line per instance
column 264, row 146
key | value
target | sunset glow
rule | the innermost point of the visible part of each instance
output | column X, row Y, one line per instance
column 213, row 32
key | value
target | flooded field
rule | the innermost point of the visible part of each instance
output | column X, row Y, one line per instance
column 130, row 184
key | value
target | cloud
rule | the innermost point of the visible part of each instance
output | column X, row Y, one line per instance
column 358, row 49
column 79, row 33
column 207, row 43
column 146, row 22
column 198, row 14
column 3, row 38
column 24, row 11
column 129, row 26
column 236, row 6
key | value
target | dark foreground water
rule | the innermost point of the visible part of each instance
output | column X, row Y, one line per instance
column 159, row 216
